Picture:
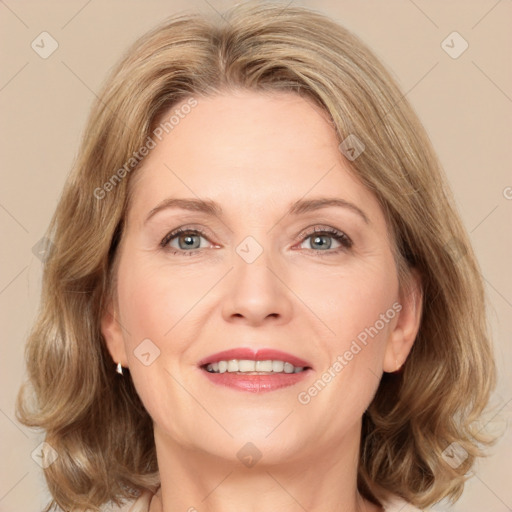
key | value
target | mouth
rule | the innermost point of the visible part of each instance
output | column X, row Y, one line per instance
column 255, row 371
column 252, row 367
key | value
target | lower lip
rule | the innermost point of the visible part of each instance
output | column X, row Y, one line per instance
column 256, row 383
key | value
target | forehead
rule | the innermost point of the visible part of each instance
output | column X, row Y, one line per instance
column 248, row 150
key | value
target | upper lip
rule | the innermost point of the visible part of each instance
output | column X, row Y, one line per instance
column 256, row 354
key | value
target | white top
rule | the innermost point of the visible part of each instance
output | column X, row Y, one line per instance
column 142, row 503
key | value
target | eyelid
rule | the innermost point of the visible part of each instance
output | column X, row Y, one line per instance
column 320, row 228
column 340, row 236
column 184, row 229
column 344, row 241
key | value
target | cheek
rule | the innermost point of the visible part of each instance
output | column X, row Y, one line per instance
column 361, row 311
column 159, row 304
column 359, row 306
column 353, row 300
column 155, row 299
column 143, row 307
column 151, row 306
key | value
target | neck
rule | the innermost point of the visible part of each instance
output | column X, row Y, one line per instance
column 316, row 480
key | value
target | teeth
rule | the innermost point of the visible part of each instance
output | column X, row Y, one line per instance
column 277, row 366
column 288, row 368
column 244, row 365
column 251, row 366
column 263, row 366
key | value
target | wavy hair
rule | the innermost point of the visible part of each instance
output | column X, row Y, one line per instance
column 95, row 421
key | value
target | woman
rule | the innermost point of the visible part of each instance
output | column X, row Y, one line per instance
column 259, row 295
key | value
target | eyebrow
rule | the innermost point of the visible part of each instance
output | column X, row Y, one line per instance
column 299, row 207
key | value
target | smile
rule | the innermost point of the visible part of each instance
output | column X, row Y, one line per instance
column 252, row 367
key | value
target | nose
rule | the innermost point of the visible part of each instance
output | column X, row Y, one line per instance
column 256, row 292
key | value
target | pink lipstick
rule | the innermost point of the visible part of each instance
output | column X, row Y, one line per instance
column 255, row 370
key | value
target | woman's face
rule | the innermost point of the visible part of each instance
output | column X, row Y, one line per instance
column 263, row 266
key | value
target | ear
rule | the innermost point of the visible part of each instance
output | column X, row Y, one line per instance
column 113, row 334
column 402, row 338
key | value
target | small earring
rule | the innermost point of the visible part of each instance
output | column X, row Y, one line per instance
column 119, row 369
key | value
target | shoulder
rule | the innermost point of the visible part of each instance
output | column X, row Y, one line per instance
column 397, row 504
column 141, row 504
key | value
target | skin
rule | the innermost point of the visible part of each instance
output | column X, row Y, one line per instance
column 255, row 154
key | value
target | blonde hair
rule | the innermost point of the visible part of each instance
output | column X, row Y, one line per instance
column 96, row 421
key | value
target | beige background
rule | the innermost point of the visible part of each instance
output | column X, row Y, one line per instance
column 465, row 104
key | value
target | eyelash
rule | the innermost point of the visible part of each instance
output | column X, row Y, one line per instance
column 339, row 236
